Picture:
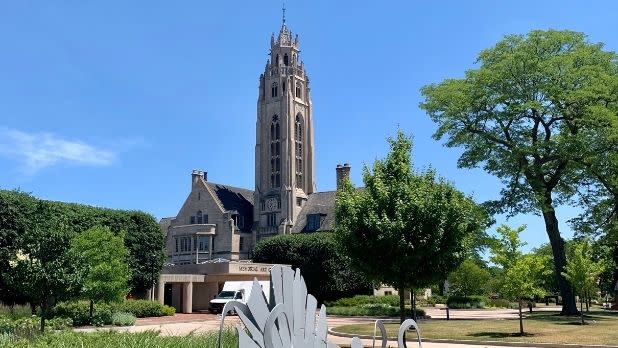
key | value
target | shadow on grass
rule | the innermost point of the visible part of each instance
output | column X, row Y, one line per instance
column 489, row 334
column 556, row 318
column 574, row 323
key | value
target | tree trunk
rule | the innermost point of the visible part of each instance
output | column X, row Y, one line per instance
column 43, row 314
column 91, row 310
column 413, row 304
column 521, row 320
column 588, row 304
column 402, row 305
column 581, row 307
column 569, row 307
column 32, row 309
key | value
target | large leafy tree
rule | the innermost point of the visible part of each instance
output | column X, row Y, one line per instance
column 405, row 229
column 523, row 115
column 329, row 273
column 104, row 257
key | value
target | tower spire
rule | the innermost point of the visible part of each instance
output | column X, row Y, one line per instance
column 283, row 10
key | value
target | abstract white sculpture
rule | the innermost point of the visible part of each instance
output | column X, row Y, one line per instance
column 287, row 319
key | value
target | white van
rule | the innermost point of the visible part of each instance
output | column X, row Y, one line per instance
column 236, row 290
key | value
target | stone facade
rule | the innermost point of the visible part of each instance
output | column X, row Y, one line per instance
column 284, row 157
column 214, row 222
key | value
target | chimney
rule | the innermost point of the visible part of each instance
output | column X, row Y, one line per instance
column 343, row 171
column 196, row 174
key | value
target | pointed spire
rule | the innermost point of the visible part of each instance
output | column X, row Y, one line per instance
column 283, row 10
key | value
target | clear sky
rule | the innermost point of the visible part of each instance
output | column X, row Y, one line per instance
column 113, row 103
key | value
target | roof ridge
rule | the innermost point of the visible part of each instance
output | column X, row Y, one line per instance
column 226, row 185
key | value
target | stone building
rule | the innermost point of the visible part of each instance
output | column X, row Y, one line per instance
column 210, row 240
column 222, row 221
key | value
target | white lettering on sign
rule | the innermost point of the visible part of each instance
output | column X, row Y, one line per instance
column 261, row 269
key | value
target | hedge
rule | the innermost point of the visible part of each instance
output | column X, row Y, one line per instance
column 328, row 273
column 22, row 213
column 372, row 310
column 103, row 314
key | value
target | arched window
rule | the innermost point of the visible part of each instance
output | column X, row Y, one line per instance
column 285, row 59
column 298, row 142
column 299, row 90
column 275, row 153
column 273, row 90
column 277, row 61
column 199, row 217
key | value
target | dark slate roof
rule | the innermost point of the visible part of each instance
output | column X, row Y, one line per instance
column 235, row 198
column 322, row 203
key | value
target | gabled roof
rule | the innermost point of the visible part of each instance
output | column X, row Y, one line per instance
column 234, row 199
column 322, row 203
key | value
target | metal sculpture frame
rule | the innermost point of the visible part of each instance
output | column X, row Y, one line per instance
column 287, row 319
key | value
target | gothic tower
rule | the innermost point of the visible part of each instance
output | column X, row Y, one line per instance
column 284, row 157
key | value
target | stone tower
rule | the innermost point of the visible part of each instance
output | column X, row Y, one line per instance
column 284, row 156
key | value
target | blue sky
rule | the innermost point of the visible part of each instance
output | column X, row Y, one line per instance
column 113, row 103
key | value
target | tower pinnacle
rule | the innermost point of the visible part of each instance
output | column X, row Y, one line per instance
column 283, row 10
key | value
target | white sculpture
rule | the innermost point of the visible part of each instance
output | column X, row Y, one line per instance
column 287, row 319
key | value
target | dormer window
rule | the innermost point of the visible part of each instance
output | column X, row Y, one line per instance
column 313, row 222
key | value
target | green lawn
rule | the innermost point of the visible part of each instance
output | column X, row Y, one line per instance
column 111, row 339
column 542, row 327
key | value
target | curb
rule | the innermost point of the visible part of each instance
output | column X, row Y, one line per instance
column 480, row 343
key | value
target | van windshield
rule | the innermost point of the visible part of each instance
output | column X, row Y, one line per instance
column 226, row 295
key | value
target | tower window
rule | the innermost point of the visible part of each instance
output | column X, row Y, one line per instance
column 285, row 59
column 275, row 153
column 273, row 90
column 271, row 220
column 299, row 90
column 298, row 155
column 277, row 61
column 199, row 217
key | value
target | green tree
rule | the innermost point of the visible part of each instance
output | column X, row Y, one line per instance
column 550, row 284
column 16, row 211
column 103, row 256
column 405, row 229
column 523, row 280
column 505, row 250
column 524, row 115
column 146, row 244
column 328, row 273
column 582, row 272
column 48, row 273
column 468, row 279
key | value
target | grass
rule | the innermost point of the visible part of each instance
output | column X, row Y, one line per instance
column 542, row 327
column 112, row 339
column 15, row 312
